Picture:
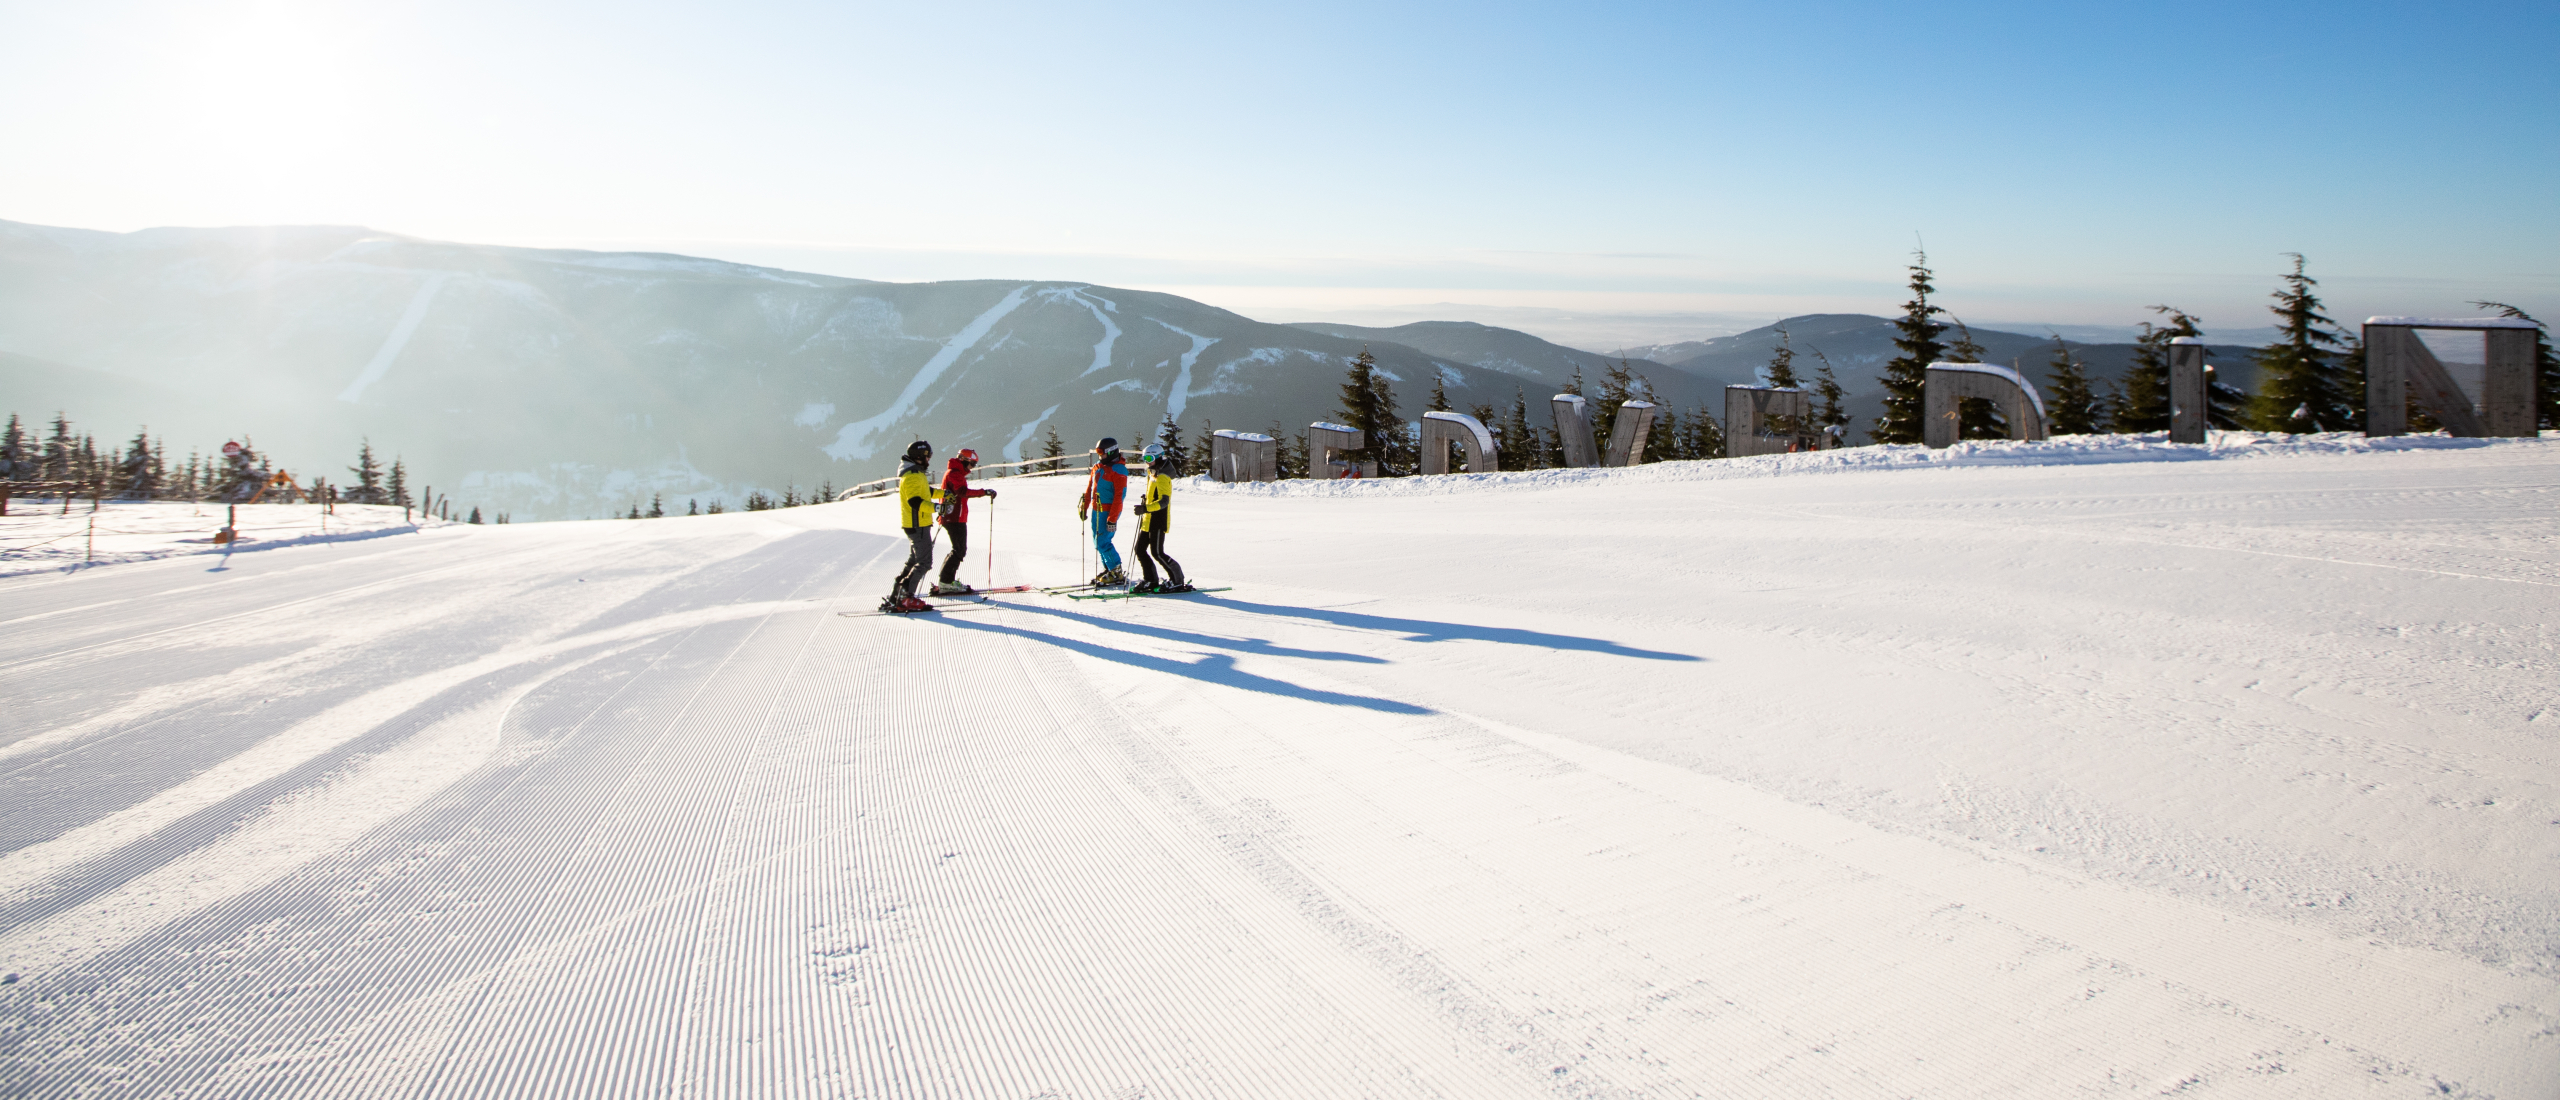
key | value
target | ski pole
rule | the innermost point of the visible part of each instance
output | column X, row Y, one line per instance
column 991, row 542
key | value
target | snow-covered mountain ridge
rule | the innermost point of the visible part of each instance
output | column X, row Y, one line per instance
column 555, row 383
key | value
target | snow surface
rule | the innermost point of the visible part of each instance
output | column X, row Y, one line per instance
column 853, row 441
column 2083, row 767
column 38, row 537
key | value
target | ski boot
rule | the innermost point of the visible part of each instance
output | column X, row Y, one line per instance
column 952, row 588
column 904, row 605
column 1110, row 578
column 1145, row 588
column 1179, row 586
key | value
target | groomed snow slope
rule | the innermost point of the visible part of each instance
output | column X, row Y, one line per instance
column 2031, row 777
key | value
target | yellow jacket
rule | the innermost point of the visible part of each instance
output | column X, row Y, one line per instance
column 916, row 496
column 1155, row 510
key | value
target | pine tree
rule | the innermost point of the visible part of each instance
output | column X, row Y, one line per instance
column 1439, row 390
column 1052, row 446
column 790, row 495
column 1287, row 461
column 2546, row 367
column 1906, row 376
column 1518, row 441
column 1666, row 444
column 1706, row 436
column 1782, row 363
column 14, row 465
column 826, row 492
column 1369, row 407
column 692, row 506
column 714, row 508
column 475, row 514
column 61, row 451
column 134, row 476
column 2299, row 388
column 395, row 488
column 1169, row 437
column 1829, row 417
column 1573, row 385
column 1618, row 385
column 657, row 506
column 1977, row 417
column 2074, row 405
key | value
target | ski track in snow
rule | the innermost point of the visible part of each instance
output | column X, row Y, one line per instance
column 853, row 441
column 1929, row 779
column 1013, row 447
column 1110, row 329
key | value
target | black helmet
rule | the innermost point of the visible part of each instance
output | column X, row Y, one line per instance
column 1107, row 445
column 919, row 450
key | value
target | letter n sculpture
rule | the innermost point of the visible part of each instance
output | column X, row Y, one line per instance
column 1440, row 429
column 1950, row 383
column 2398, row 370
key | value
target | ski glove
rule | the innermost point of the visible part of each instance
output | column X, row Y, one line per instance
column 991, row 494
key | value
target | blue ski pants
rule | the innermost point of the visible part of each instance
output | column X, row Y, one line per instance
column 1102, row 531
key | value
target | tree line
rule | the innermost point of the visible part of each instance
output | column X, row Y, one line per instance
column 60, row 459
column 2311, row 379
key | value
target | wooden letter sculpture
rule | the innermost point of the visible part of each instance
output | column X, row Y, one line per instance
column 1326, row 440
column 1573, row 426
column 2188, row 401
column 2398, row 369
column 1748, row 411
column 1440, row 429
column 1243, row 456
column 1950, row 383
column 1627, row 436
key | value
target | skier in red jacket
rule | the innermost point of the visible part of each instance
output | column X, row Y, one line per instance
column 954, row 515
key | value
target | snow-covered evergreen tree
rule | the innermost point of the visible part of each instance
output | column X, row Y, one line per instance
column 1369, row 407
column 1829, row 417
column 14, row 464
column 368, row 470
column 657, row 506
column 61, row 451
column 1906, row 376
column 1169, row 437
column 2072, row 404
column 1519, row 441
column 2300, row 387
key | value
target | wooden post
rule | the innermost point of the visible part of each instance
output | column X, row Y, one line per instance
column 2507, row 383
column 2189, row 400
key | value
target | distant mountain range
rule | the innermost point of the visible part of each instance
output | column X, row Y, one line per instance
column 561, row 384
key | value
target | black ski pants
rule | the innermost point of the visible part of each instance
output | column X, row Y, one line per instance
column 959, row 533
column 919, row 561
column 1151, row 551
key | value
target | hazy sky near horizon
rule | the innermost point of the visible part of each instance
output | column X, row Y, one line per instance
column 2064, row 163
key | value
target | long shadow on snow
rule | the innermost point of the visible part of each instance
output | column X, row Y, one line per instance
column 1211, row 668
column 1427, row 630
column 1246, row 645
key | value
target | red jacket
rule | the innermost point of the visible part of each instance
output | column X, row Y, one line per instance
column 1106, row 488
column 956, row 493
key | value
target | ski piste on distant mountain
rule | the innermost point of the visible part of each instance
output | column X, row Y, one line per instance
column 554, row 383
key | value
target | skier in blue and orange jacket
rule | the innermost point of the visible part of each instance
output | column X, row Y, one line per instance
column 1105, row 490
column 916, row 497
column 954, row 513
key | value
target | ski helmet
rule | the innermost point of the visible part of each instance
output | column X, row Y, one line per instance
column 1153, row 452
column 919, row 450
column 968, row 456
column 1107, row 445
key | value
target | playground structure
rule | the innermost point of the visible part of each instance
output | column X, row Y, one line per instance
column 1243, row 456
column 2398, row 364
column 1440, row 429
column 1750, row 412
column 1949, row 384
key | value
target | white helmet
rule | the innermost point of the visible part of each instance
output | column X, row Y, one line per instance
column 1153, row 452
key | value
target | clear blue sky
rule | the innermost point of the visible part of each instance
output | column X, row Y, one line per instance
column 2065, row 163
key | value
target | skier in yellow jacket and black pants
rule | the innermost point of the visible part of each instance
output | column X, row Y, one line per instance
column 1155, row 518
column 917, row 495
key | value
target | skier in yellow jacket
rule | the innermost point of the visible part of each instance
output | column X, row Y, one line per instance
column 917, row 495
column 1155, row 518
